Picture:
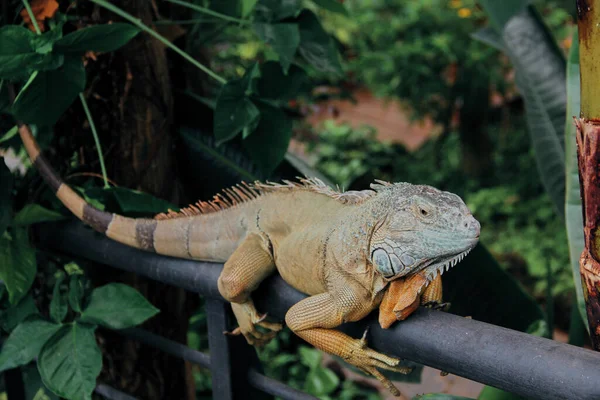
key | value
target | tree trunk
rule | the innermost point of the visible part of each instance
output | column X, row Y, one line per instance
column 141, row 156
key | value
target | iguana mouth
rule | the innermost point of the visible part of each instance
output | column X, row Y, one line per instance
column 433, row 270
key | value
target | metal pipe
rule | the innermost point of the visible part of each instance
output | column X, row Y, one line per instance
column 527, row 365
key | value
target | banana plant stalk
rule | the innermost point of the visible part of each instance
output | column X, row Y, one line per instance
column 588, row 158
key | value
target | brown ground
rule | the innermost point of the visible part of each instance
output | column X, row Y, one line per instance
column 387, row 116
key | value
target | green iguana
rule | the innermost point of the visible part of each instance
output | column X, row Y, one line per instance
column 347, row 251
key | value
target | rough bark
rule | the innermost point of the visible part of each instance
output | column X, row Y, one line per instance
column 141, row 156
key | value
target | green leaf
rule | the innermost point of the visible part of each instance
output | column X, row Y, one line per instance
column 132, row 202
column 309, row 356
column 247, row 7
column 234, row 111
column 498, row 294
column 58, row 304
column 573, row 214
column 6, row 185
column 70, row 362
column 34, row 213
column 49, row 93
column 117, row 306
column 332, row 5
column 269, row 142
column 316, row 46
column 12, row 132
column 223, row 158
column 25, row 342
column 491, row 393
column 275, row 10
column 284, row 37
column 76, row 292
column 17, row 55
column 17, row 263
column 540, row 76
column 275, row 85
column 17, row 313
column 321, row 381
column 103, row 38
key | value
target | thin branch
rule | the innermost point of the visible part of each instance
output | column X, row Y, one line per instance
column 88, row 114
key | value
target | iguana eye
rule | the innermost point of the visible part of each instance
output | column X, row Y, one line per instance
column 423, row 212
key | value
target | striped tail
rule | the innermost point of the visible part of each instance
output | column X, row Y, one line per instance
column 134, row 232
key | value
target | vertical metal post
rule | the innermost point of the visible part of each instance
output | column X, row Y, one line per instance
column 230, row 356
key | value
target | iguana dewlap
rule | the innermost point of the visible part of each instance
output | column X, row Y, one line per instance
column 342, row 249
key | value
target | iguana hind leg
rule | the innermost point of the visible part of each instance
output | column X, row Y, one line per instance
column 313, row 319
column 247, row 267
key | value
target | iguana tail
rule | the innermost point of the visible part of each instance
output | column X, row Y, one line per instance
column 134, row 232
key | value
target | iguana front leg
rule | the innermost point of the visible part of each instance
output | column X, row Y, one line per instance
column 313, row 319
column 247, row 267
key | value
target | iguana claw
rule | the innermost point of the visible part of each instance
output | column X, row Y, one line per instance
column 368, row 360
column 248, row 320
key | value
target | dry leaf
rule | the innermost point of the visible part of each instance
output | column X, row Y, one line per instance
column 42, row 9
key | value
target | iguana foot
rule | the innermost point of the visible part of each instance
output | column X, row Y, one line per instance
column 368, row 360
column 248, row 319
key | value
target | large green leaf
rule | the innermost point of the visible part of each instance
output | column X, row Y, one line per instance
column 540, row 75
column 19, row 57
column 316, row 46
column 6, row 185
column 70, row 361
column 284, row 37
column 133, row 202
column 492, row 393
column 439, row 396
column 49, row 93
column 275, row 85
column 573, row 213
column 332, row 5
column 269, row 142
column 498, row 294
column 234, row 111
column 275, row 10
column 17, row 263
column 17, row 313
column 117, row 306
column 25, row 342
column 34, row 213
column 103, row 38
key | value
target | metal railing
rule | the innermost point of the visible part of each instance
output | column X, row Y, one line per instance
column 517, row 362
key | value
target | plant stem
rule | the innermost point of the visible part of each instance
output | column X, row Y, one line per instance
column 96, row 140
column 186, row 21
column 32, row 16
column 137, row 22
column 209, row 12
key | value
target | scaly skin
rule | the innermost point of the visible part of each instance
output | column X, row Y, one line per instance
column 342, row 249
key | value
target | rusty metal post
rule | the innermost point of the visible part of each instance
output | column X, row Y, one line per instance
column 588, row 157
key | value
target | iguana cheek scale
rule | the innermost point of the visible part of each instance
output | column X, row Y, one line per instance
column 342, row 249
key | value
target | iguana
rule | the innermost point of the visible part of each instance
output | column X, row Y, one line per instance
column 341, row 249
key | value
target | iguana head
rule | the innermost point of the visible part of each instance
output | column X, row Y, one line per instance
column 420, row 229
